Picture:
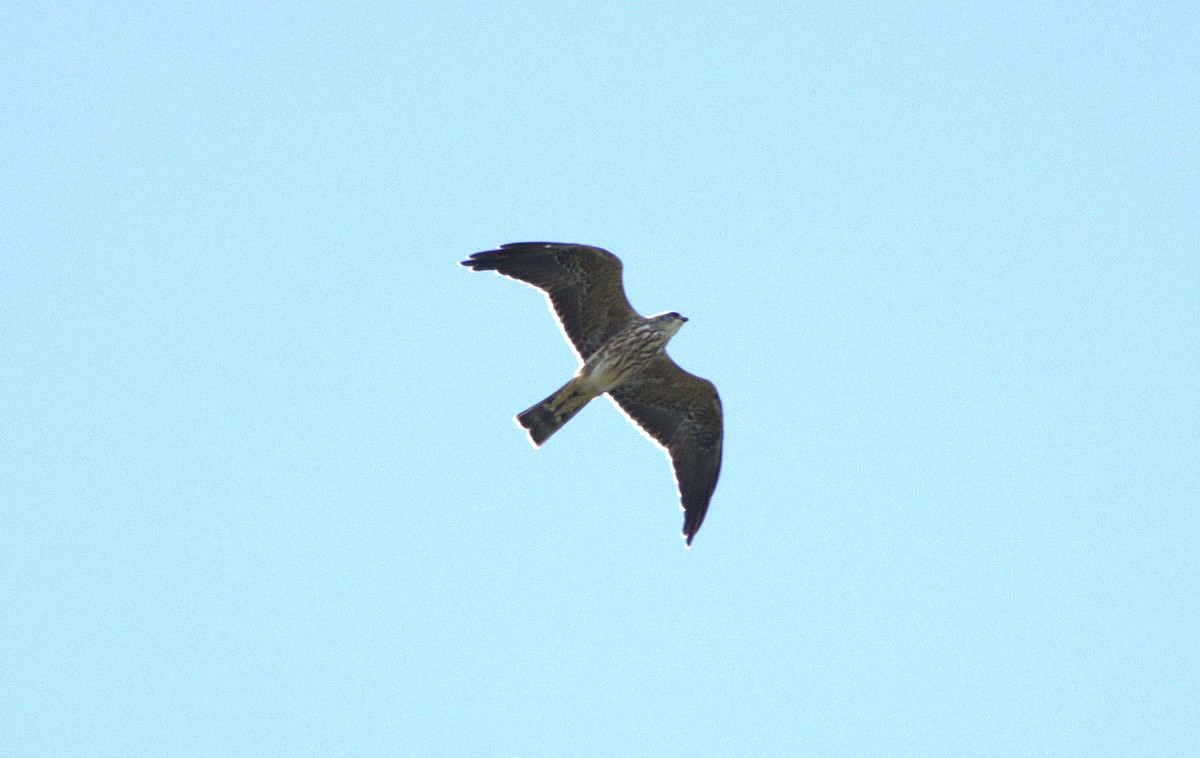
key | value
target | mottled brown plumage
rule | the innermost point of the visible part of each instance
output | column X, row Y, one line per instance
column 621, row 354
column 682, row 414
column 582, row 283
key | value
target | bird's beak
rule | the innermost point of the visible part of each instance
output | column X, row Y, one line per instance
column 683, row 319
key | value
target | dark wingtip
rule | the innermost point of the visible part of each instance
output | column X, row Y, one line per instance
column 485, row 261
column 691, row 524
column 490, row 260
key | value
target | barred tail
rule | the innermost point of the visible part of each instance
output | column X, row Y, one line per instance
column 548, row 416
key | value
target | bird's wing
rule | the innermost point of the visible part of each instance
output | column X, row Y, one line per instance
column 682, row 414
column 582, row 283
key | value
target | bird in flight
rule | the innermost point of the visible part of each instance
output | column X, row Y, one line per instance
column 621, row 353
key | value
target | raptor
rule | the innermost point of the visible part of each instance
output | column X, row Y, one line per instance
column 621, row 354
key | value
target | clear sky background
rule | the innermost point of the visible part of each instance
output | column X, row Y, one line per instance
column 260, row 490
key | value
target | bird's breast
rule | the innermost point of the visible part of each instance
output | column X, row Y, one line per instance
column 622, row 357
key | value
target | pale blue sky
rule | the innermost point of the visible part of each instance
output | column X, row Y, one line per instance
column 261, row 492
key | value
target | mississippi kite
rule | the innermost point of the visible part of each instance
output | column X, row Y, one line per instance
column 622, row 354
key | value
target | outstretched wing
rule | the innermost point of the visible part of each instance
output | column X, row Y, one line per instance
column 682, row 413
column 582, row 283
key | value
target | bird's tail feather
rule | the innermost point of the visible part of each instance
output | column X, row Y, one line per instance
column 548, row 416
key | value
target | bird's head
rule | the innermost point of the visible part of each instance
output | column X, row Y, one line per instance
column 669, row 322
